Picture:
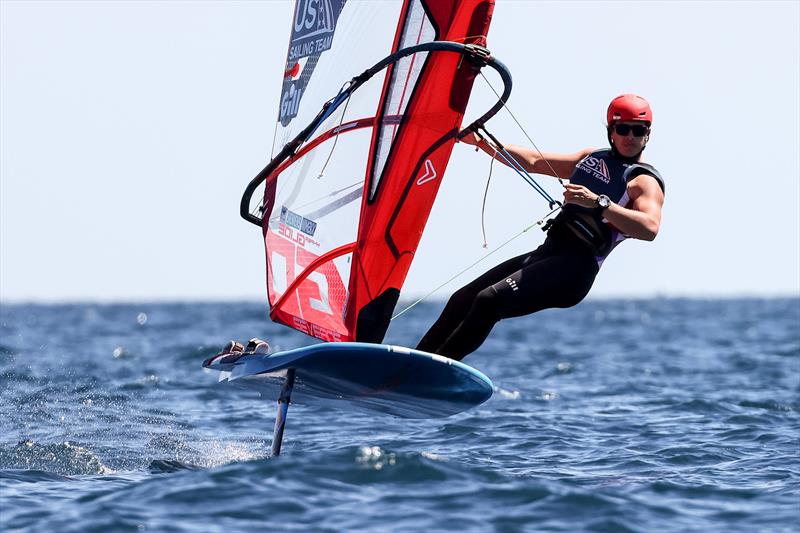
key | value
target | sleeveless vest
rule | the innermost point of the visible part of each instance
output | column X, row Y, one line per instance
column 602, row 172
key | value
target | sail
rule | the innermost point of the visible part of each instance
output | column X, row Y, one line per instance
column 347, row 197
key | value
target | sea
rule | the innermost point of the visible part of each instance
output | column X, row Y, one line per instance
column 660, row 414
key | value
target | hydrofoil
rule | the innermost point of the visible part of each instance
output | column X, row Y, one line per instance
column 389, row 379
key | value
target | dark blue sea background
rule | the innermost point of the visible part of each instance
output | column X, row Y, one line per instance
column 617, row 415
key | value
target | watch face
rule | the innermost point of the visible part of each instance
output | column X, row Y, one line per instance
column 603, row 200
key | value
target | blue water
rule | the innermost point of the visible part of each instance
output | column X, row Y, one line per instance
column 653, row 415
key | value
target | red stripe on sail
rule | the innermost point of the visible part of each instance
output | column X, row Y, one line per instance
column 392, row 223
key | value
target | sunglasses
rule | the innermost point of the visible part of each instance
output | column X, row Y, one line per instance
column 625, row 129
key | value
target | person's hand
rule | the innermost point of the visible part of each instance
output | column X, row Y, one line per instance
column 579, row 195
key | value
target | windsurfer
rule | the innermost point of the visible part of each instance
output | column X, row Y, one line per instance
column 611, row 195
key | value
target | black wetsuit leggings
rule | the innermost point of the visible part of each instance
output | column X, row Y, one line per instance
column 554, row 275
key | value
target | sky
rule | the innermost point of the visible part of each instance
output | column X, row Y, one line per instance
column 128, row 131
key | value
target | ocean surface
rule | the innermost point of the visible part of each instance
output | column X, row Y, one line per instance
column 616, row 415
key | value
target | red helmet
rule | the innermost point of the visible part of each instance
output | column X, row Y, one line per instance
column 629, row 107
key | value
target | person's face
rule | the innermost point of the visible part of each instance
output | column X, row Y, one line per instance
column 630, row 137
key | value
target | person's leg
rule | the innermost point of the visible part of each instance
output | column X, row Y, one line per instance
column 460, row 302
column 558, row 281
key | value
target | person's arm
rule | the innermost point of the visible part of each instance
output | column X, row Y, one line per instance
column 641, row 221
column 557, row 165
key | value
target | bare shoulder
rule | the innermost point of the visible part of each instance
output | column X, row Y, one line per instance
column 646, row 184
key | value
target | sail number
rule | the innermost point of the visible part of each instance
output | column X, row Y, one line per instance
column 280, row 280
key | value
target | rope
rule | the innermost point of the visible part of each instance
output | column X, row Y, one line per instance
column 259, row 209
column 525, row 230
column 515, row 165
column 335, row 139
column 483, row 205
column 274, row 138
column 507, row 108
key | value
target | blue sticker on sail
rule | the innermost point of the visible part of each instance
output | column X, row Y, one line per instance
column 298, row 222
column 312, row 34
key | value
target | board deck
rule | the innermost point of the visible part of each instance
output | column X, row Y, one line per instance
column 379, row 377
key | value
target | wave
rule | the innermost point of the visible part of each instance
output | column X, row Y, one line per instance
column 66, row 458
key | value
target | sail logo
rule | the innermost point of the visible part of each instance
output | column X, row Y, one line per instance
column 299, row 222
column 596, row 167
column 314, row 25
column 312, row 34
column 290, row 101
column 430, row 173
column 295, row 236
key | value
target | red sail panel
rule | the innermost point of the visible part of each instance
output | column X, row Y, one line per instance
column 312, row 295
column 393, row 219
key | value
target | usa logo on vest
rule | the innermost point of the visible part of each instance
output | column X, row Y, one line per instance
column 596, row 167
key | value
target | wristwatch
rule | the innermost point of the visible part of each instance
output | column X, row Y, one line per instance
column 603, row 201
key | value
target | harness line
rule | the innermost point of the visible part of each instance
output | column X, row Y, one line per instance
column 524, row 132
column 515, row 165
